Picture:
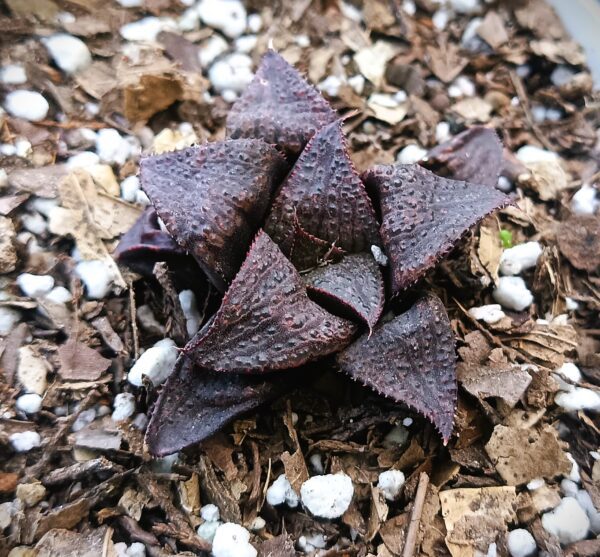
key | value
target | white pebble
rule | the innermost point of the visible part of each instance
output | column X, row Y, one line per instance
column 535, row 484
column 331, row 85
column 84, row 419
column 13, row 74
column 411, row 154
column 512, row 293
column 569, row 487
column 462, row 87
column 59, row 295
column 210, row 513
column 521, row 543
column 43, row 206
column 35, row 285
column 229, row 96
column 211, row 50
column 8, row 150
column 469, row 38
column 327, row 496
column 129, row 188
column 246, row 43
column 156, row 363
column 585, row 201
column 442, row 132
column 407, row 422
column 69, row 53
column 357, row 82
column 207, row 530
column 28, row 105
column 532, row 154
column 254, row 23
column 258, row 524
column 379, row 256
column 561, row 75
column 112, row 147
column 228, row 16
column 492, row 313
column 124, row 407
column 136, row 549
column 578, row 399
column 8, row 319
column 233, row 72
column 187, row 299
column 391, row 482
column 440, row 19
column 312, row 541
column 85, row 159
column 504, row 184
column 568, row 522
column 316, row 461
column 281, row 491
column 584, row 499
column 232, row 540
column 97, row 277
column 520, row 258
column 396, row 437
column 24, row 441
column 538, row 112
column 146, row 29
column 465, row 6
column 34, row 223
column 189, row 20
column 570, row 371
column 29, row 403
column 303, row 41
column 131, row 3
column 574, row 475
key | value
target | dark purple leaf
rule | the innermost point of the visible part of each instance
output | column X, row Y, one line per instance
column 325, row 196
column 212, row 198
column 195, row 403
column 145, row 243
column 266, row 320
column 411, row 360
column 353, row 287
column 424, row 216
column 308, row 251
column 279, row 107
column 474, row 155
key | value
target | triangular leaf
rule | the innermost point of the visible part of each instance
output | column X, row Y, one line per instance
column 212, row 198
column 266, row 320
column 474, row 155
column 324, row 194
column 145, row 243
column 410, row 359
column 195, row 403
column 423, row 216
column 279, row 107
column 353, row 286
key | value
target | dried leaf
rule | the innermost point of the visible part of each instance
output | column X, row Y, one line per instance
column 372, row 61
column 79, row 362
column 579, row 241
column 8, row 253
column 266, row 321
column 410, row 360
column 415, row 206
column 473, row 109
column 42, row 182
column 213, row 197
column 521, row 455
column 279, row 107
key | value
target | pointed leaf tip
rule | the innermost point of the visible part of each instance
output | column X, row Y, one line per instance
column 279, row 106
column 353, row 286
column 411, row 360
column 423, row 216
column 474, row 155
column 266, row 320
column 212, row 198
column 326, row 197
column 196, row 403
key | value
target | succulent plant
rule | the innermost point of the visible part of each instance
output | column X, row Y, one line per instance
column 278, row 220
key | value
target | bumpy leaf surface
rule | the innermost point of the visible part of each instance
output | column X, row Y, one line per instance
column 423, row 216
column 325, row 196
column 145, row 243
column 279, row 107
column 474, row 155
column 195, row 403
column 411, row 360
column 212, row 198
column 266, row 320
column 353, row 286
